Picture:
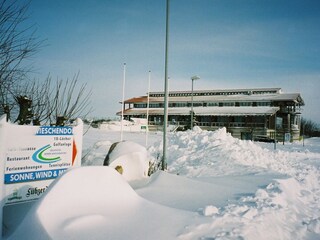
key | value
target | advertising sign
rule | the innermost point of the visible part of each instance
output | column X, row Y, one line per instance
column 36, row 155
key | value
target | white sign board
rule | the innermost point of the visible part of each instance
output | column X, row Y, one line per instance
column 35, row 155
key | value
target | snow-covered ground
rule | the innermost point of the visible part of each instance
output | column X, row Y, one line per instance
column 216, row 187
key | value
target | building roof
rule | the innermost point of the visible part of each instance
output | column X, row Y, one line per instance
column 203, row 111
column 238, row 90
column 291, row 97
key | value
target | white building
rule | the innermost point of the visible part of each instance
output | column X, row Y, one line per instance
column 246, row 113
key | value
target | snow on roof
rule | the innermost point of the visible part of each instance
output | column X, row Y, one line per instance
column 278, row 90
column 235, row 111
column 215, row 111
column 294, row 97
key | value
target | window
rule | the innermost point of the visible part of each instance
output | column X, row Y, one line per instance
column 228, row 104
column 154, row 105
column 180, row 104
column 263, row 104
column 197, row 104
column 212, row 104
column 239, row 119
column 245, row 104
column 139, row 105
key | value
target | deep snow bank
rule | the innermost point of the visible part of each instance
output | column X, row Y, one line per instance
column 216, row 153
column 97, row 203
column 256, row 192
column 283, row 209
column 194, row 194
column 128, row 126
column 132, row 158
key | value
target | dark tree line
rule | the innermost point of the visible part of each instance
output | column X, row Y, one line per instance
column 309, row 128
column 28, row 101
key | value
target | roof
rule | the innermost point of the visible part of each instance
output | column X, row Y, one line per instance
column 247, row 90
column 203, row 111
column 291, row 97
column 137, row 99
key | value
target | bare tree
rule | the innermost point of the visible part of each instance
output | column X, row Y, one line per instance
column 41, row 94
column 310, row 128
column 25, row 113
column 32, row 101
column 56, row 103
column 70, row 100
column 17, row 43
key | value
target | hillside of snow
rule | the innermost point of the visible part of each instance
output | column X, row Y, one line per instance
column 216, row 187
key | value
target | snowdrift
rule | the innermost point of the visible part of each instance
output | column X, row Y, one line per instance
column 216, row 187
column 193, row 194
column 97, row 203
column 132, row 158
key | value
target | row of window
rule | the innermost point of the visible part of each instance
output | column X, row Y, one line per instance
column 209, row 104
column 186, row 94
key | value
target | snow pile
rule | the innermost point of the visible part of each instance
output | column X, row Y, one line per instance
column 216, row 153
column 216, row 187
column 132, row 158
column 97, row 203
column 128, row 126
column 279, row 211
column 210, row 210
column 290, row 206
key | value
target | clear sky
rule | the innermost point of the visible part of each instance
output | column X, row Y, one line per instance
column 228, row 43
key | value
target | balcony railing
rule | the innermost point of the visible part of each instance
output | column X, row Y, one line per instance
column 212, row 124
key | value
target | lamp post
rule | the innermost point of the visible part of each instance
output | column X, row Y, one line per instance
column 191, row 112
column 123, row 89
column 148, row 103
column 166, row 92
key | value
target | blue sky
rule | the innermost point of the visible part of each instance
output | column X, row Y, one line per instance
column 228, row 43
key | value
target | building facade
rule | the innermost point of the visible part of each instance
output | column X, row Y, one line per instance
column 246, row 113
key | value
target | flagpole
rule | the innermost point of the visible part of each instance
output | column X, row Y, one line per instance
column 123, row 88
column 148, row 102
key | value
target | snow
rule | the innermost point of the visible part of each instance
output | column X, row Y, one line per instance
column 216, row 187
column 97, row 204
column 132, row 158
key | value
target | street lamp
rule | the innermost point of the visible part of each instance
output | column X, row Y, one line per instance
column 166, row 93
column 191, row 112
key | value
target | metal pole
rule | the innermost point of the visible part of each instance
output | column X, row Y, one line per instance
column 123, row 88
column 191, row 122
column 148, row 102
column 192, row 113
column 165, row 113
column 303, row 134
column 275, row 131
